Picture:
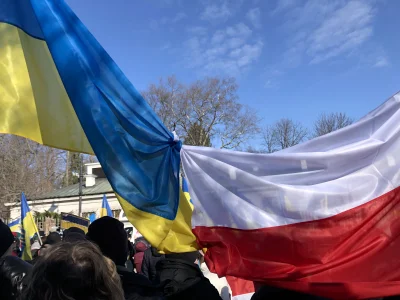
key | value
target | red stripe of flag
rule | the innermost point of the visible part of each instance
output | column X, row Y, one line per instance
column 354, row 254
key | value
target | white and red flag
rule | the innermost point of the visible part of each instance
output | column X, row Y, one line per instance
column 322, row 217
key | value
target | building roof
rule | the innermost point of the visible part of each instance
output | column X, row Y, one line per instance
column 102, row 186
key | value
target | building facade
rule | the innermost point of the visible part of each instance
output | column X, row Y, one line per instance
column 66, row 199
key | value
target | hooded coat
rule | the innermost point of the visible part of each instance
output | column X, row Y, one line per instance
column 140, row 248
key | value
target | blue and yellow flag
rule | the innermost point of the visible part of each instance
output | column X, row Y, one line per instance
column 185, row 190
column 15, row 226
column 59, row 87
column 70, row 220
column 105, row 208
column 28, row 229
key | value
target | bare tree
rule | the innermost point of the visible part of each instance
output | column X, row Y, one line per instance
column 196, row 134
column 210, row 104
column 269, row 138
column 26, row 166
column 165, row 99
column 327, row 123
column 251, row 149
column 283, row 134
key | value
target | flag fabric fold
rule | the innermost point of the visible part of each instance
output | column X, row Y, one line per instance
column 105, row 208
column 321, row 217
column 28, row 229
column 59, row 87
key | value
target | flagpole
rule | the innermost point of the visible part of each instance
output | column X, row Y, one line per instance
column 80, row 184
column 40, row 239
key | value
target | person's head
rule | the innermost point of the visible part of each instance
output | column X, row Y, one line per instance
column 76, row 271
column 52, row 239
column 6, row 240
column 73, row 230
column 140, row 247
column 73, row 235
column 109, row 234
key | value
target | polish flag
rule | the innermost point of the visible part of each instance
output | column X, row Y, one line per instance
column 321, row 218
column 241, row 289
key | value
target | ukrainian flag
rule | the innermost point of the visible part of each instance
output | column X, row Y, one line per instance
column 15, row 226
column 185, row 190
column 59, row 87
column 28, row 229
column 69, row 220
column 105, row 208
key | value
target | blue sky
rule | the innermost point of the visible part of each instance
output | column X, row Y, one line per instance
column 291, row 58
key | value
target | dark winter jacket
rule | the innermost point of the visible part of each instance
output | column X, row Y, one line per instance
column 13, row 272
column 183, row 280
column 150, row 259
column 138, row 287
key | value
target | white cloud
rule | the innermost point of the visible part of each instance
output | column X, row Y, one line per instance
column 197, row 30
column 239, row 30
column 320, row 30
column 248, row 53
column 179, row 16
column 234, row 42
column 282, row 5
column 346, row 29
column 215, row 12
column 218, row 37
column 381, row 62
column 220, row 10
column 155, row 24
column 166, row 47
column 254, row 17
column 229, row 51
column 232, row 36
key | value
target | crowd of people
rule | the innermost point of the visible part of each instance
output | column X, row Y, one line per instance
column 101, row 264
column 104, row 265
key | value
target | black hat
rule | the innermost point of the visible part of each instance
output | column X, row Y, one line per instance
column 73, row 237
column 6, row 238
column 52, row 238
column 109, row 234
column 73, row 230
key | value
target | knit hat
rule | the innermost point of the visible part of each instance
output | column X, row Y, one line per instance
column 109, row 234
column 73, row 230
column 52, row 238
column 6, row 238
column 74, row 237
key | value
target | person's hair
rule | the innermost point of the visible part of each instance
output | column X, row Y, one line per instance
column 76, row 271
column 112, row 269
